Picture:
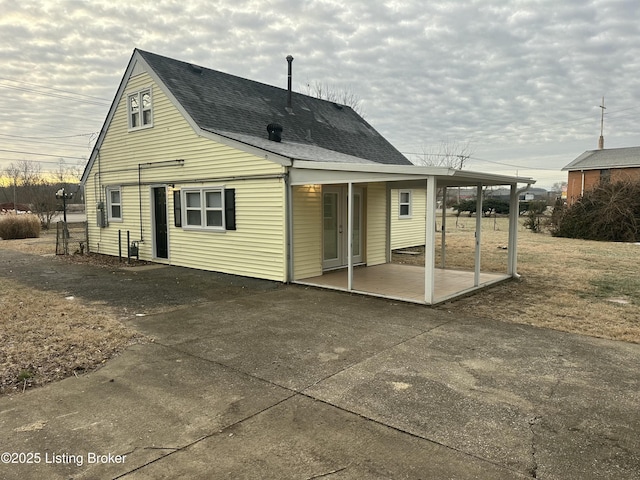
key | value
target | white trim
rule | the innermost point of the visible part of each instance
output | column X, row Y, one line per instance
column 408, row 204
column 202, row 208
column 430, row 241
column 110, row 204
column 139, row 95
column 152, row 205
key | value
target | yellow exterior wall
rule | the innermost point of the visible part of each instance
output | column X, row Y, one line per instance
column 307, row 231
column 376, row 240
column 408, row 232
column 256, row 248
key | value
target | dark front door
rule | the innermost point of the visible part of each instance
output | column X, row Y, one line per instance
column 161, row 241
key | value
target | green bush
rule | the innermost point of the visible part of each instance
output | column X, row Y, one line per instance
column 609, row 212
column 19, row 226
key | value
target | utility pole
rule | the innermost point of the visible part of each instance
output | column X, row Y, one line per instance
column 601, row 139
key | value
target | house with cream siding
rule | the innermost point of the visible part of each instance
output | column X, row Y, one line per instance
column 198, row 168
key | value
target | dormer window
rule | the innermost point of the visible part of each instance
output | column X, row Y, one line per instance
column 140, row 110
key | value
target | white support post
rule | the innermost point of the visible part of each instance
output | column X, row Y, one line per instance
column 476, row 272
column 443, row 249
column 430, row 244
column 514, row 215
column 350, row 236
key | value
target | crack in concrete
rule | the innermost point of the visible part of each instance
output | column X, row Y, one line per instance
column 204, row 437
column 326, row 474
column 348, row 367
column 533, row 421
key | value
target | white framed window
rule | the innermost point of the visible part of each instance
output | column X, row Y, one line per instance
column 203, row 208
column 404, row 204
column 140, row 108
column 114, row 204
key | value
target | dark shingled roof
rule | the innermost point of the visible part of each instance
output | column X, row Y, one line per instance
column 226, row 104
column 606, row 158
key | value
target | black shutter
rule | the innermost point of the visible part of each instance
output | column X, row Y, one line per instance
column 177, row 209
column 230, row 208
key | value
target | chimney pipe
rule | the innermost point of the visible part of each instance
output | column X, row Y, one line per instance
column 289, row 61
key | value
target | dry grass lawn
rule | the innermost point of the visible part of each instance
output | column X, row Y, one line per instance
column 45, row 336
column 577, row 286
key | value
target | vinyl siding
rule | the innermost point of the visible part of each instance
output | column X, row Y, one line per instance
column 376, row 240
column 307, row 231
column 256, row 248
column 408, row 232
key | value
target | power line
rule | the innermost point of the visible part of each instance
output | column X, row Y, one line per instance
column 60, row 136
column 523, row 167
column 55, row 89
column 42, row 154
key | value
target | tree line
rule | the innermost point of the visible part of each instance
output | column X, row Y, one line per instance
column 28, row 188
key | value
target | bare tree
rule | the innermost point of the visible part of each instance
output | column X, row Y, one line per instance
column 450, row 153
column 329, row 92
column 35, row 190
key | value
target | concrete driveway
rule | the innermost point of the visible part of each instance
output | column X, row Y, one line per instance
column 253, row 379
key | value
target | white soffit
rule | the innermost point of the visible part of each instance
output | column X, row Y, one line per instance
column 305, row 173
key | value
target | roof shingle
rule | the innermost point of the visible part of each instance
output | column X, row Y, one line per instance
column 226, row 104
column 607, row 158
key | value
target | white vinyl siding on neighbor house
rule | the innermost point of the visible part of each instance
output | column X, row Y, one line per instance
column 257, row 248
column 408, row 231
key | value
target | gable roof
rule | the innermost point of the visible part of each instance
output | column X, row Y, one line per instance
column 606, row 158
column 241, row 109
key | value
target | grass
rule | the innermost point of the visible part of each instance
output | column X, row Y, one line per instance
column 570, row 285
column 567, row 284
column 45, row 336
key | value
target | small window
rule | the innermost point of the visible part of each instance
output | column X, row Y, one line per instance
column 114, row 203
column 204, row 208
column 140, row 110
column 404, row 209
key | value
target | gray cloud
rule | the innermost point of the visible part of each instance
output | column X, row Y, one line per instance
column 520, row 80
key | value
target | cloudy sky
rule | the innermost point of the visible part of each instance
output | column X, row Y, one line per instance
column 519, row 81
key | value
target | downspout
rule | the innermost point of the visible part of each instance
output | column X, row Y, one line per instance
column 140, row 199
column 350, row 236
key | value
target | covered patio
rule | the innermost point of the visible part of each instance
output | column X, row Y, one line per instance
column 366, row 267
column 403, row 282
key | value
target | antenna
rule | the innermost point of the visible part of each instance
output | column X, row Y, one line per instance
column 601, row 139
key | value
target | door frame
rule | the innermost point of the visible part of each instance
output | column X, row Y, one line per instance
column 341, row 260
column 152, row 191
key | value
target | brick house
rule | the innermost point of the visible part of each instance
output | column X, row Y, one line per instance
column 594, row 166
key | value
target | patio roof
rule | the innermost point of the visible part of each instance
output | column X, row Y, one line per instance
column 313, row 172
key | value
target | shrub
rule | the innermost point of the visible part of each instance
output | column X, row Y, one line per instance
column 19, row 226
column 609, row 212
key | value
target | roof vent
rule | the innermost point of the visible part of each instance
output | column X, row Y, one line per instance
column 196, row 68
column 275, row 132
